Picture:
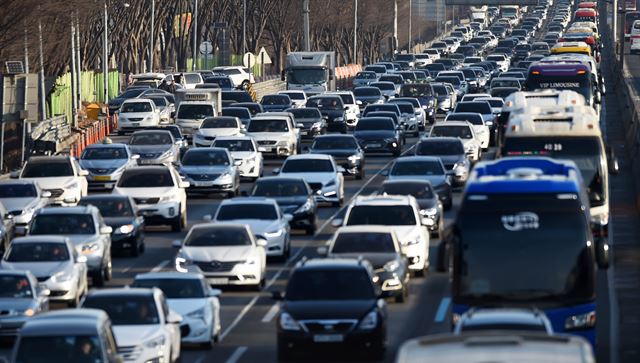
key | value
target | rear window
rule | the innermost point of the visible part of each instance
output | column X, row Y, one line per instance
column 145, row 179
column 330, row 284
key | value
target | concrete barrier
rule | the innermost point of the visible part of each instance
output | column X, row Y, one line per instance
column 268, row 87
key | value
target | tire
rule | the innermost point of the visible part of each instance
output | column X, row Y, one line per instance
column 449, row 203
column 135, row 250
column 244, row 84
column 97, row 278
column 284, row 354
column 260, row 285
column 403, row 295
column 108, row 271
column 311, row 230
column 176, row 224
column 142, row 247
column 361, row 173
column 397, row 153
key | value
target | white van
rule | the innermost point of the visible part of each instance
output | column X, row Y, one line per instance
column 635, row 37
column 513, row 347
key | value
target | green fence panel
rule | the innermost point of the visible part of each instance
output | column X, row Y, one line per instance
column 92, row 90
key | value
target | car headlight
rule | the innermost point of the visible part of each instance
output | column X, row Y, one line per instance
column 169, row 198
column 426, row 106
column 305, row 207
column 288, row 323
column 197, row 314
column 580, row 321
column 353, row 158
column 429, row 212
column 155, row 342
column 62, row 276
column 459, row 169
column 72, row 185
column 391, row 266
column 370, row 321
column 29, row 312
column 274, row 234
column 125, row 229
column 316, row 125
column 338, row 119
column 167, row 154
column 90, row 248
column 225, row 175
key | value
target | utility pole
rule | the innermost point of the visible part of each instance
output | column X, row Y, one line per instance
column 244, row 26
column 105, row 55
column 43, row 101
column 355, row 32
column 305, row 22
column 74, row 103
column 614, row 32
column 395, row 28
column 621, row 41
column 78, row 63
column 26, row 48
column 151, row 42
column 410, row 35
column 195, row 36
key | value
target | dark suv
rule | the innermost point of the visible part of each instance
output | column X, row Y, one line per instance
column 331, row 302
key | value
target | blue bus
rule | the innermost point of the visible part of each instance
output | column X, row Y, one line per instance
column 522, row 238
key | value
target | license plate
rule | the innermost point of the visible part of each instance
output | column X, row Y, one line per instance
column 218, row 281
column 303, row 133
column 147, row 212
column 200, row 184
column 374, row 145
column 328, row 338
column 135, row 124
column 266, row 149
column 102, row 178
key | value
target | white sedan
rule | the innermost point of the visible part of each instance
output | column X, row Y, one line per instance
column 213, row 127
column 244, row 151
column 189, row 295
column 320, row 172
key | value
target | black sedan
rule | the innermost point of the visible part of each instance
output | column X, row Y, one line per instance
column 121, row 214
column 379, row 134
column 332, row 109
column 294, row 196
column 345, row 151
column 310, row 121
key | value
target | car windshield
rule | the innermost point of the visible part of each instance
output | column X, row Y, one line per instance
column 260, row 211
column 417, row 190
column 62, row 224
column 195, row 112
column 47, row 169
column 217, row 236
column 126, row 309
column 17, row 191
column 110, row 207
column 405, row 107
column 235, row 145
column 159, row 101
column 505, row 83
column 374, row 124
column 334, row 143
column 15, row 287
column 223, row 82
column 366, row 91
column 331, row 103
column 37, row 252
column 384, row 86
column 440, row 90
column 440, row 148
column 394, row 215
column 455, row 81
column 268, row 126
column 363, row 242
column 419, row 168
column 199, row 157
column 145, row 179
column 65, row 348
column 330, row 284
column 132, row 107
column 266, row 188
column 242, row 113
column 276, row 100
column 472, row 118
column 174, row 288
column 495, row 102
column 366, row 75
column 219, row 123
column 511, row 326
column 294, row 95
column 308, row 166
column 104, row 153
column 479, row 107
column 463, row 132
column 151, row 138
column 305, row 113
column 307, row 76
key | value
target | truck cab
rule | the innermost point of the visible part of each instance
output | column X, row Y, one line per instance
column 194, row 105
column 312, row 72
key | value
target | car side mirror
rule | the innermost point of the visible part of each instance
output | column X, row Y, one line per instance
column 207, row 218
column 340, row 169
column 261, row 242
column 277, row 295
column 176, row 243
column 15, row 174
column 322, row 251
column 337, row 222
column 135, row 157
column 215, row 292
column 358, row 102
column 46, row 194
column 299, row 126
column 106, row 230
column 237, row 162
column 288, row 217
column 275, row 171
column 81, row 259
column 82, row 172
column 602, row 253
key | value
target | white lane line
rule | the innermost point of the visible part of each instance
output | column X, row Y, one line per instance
column 442, row 309
column 236, row 355
column 271, row 313
column 200, row 359
column 160, row 266
column 235, row 322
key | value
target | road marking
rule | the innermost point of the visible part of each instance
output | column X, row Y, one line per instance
column 160, row 266
column 271, row 313
column 235, row 322
column 442, row 309
column 237, row 354
column 200, row 359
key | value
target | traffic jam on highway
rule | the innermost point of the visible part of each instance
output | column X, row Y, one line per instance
column 477, row 166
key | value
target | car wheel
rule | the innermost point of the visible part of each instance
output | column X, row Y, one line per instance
column 176, row 225
column 284, row 353
column 400, row 298
column 311, row 230
column 142, row 247
column 416, row 133
column 260, row 285
column 97, row 278
column 108, row 271
column 377, row 353
column 135, row 250
column 361, row 173
column 245, row 84
column 397, row 152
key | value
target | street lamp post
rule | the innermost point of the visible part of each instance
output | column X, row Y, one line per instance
column 105, row 55
column 244, row 26
column 355, row 32
column 195, row 36
column 151, row 42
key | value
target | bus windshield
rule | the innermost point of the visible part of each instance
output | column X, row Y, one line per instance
column 585, row 151
column 580, row 83
column 541, row 243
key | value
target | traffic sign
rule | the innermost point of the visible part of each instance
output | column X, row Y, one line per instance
column 263, row 56
column 206, row 48
column 249, row 59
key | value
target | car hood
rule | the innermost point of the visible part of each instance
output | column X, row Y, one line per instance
column 312, row 177
column 374, row 134
column 336, row 153
column 102, row 164
column 144, row 149
column 186, row 306
column 115, row 222
column 144, row 192
column 133, row 335
column 15, row 204
column 290, row 204
column 258, row 226
column 427, row 203
column 53, row 182
column 15, row 304
column 328, row 309
column 243, row 154
column 377, row 260
column 222, row 253
column 39, row 269
column 219, row 132
column 208, row 169
column 136, row 114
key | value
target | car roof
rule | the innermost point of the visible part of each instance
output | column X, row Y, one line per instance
column 440, row 138
column 122, row 291
column 406, row 181
column 64, row 322
column 248, row 200
column 169, row 275
column 452, row 123
column 40, row 238
column 100, row 145
column 84, row 209
column 310, row 156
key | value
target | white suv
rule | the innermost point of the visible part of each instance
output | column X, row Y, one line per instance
column 401, row 213
column 159, row 193
column 137, row 113
column 275, row 134
column 61, row 176
column 241, row 76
